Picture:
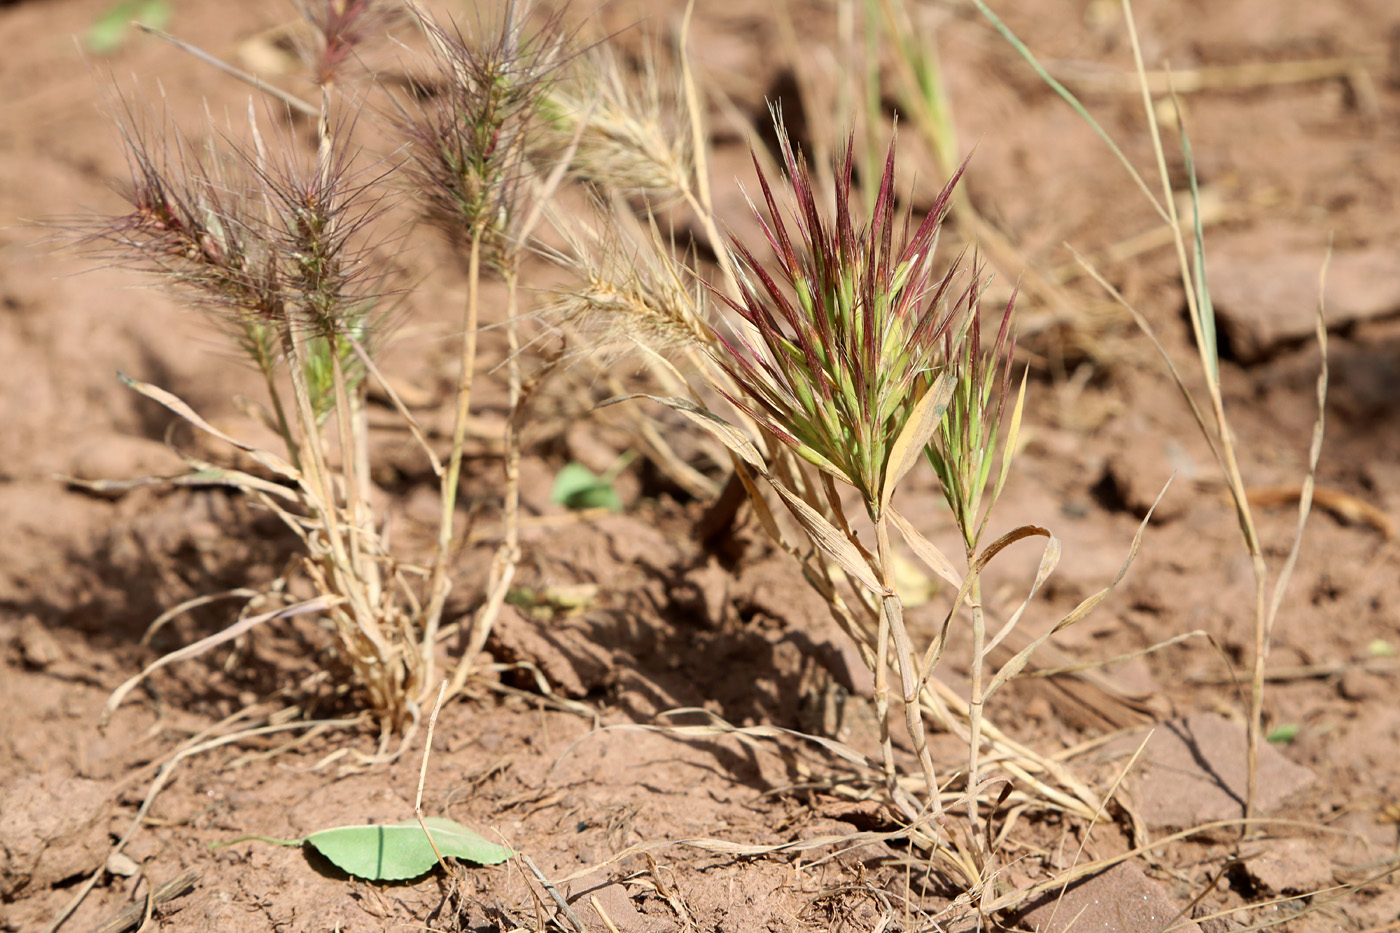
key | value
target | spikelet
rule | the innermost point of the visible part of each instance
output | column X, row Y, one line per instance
column 628, row 290
column 630, row 130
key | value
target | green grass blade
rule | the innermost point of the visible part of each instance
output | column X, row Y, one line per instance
column 1068, row 96
column 1205, row 310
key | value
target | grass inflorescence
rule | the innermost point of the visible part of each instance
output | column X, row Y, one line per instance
column 845, row 338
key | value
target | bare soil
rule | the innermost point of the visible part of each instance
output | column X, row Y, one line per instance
column 670, row 624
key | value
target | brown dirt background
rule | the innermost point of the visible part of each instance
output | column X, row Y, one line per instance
column 81, row 575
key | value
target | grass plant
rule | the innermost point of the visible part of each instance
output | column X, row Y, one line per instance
column 276, row 250
column 849, row 357
column 1188, row 239
column 468, row 162
column 288, row 253
column 825, row 358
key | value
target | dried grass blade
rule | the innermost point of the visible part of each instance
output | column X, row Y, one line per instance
column 974, row 572
column 1049, row 560
column 1010, row 538
column 760, row 507
column 1018, row 662
column 1305, row 497
column 830, row 541
column 1206, row 431
column 722, row 430
column 1349, row 509
column 206, row 475
column 925, row 549
column 726, row 847
column 319, row 604
column 1205, row 308
column 1118, row 659
column 178, row 406
column 195, row 603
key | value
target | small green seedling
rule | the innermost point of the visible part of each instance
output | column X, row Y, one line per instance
column 108, row 33
column 1283, row 733
column 578, row 487
column 395, row 852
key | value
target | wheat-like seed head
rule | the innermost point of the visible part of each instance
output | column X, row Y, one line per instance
column 336, row 31
column 253, row 240
column 630, row 134
column 628, row 290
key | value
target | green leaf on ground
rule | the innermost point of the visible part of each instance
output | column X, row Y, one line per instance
column 397, row 851
column 1283, row 733
column 109, row 31
column 578, row 487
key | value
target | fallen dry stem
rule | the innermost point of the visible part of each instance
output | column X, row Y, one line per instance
column 423, row 774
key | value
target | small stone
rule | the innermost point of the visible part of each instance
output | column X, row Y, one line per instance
column 1267, row 302
column 51, row 829
column 1121, row 898
column 1195, row 770
column 1288, row 866
column 1359, row 686
column 593, row 893
column 37, row 645
column 1136, row 475
column 121, row 456
column 1209, row 923
column 122, row 865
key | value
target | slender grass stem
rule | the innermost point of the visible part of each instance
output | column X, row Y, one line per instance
column 507, row 558
column 323, row 498
column 882, row 704
column 439, row 583
column 892, row 609
column 279, row 412
column 347, row 436
column 975, row 703
column 1229, row 462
